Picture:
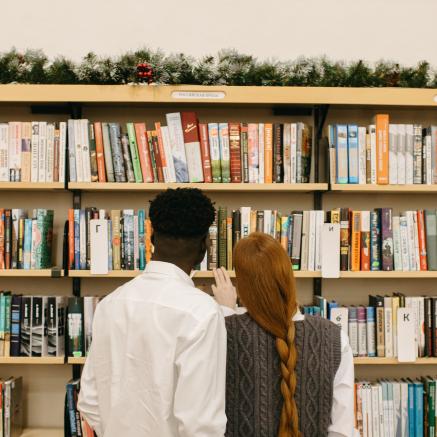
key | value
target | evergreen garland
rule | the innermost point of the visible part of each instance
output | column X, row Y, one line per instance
column 228, row 67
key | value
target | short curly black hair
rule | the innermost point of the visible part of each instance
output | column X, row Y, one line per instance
column 181, row 213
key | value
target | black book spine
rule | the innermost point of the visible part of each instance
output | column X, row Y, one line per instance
column 26, row 313
column 8, row 238
column 434, row 326
column 37, row 328
column 88, row 217
column 15, row 325
column 278, row 168
column 428, row 326
column 344, row 239
column 236, row 227
column 122, row 245
column 51, row 326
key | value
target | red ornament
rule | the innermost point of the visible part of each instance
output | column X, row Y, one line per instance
column 145, row 73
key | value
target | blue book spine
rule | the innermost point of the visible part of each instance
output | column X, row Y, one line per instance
column 290, row 235
column 27, row 244
column 141, row 239
column 110, row 245
column 411, row 412
column 370, row 324
column 418, row 408
column 316, row 311
column 353, row 156
column 76, row 239
column 332, row 304
column 375, row 238
column 341, row 153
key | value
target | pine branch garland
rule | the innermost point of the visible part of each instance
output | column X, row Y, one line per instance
column 228, row 67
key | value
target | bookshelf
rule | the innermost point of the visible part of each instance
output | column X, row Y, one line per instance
column 138, row 103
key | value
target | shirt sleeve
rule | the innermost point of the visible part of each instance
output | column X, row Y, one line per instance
column 88, row 403
column 342, row 413
column 231, row 311
column 199, row 401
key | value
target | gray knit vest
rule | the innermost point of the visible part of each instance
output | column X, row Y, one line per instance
column 253, row 396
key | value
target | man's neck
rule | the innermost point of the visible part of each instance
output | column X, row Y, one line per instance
column 184, row 266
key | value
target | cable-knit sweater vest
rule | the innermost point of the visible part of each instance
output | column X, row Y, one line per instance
column 253, row 396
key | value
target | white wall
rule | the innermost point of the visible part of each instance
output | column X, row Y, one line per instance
column 342, row 29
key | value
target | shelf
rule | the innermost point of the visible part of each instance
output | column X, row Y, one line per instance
column 198, row 275
column 368, row 361
column 155, row 187
column 180, row 94
column 32, row 360
column 42, row 432
column 388, row 275
column 76, row 360
column 31, row 186
column 400, row 189
column 21, row 273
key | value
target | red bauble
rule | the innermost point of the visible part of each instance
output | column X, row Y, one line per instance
column 145, row 73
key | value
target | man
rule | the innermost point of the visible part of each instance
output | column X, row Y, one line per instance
column 157, row 363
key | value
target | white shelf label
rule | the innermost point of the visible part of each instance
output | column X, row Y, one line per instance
column 196, row 95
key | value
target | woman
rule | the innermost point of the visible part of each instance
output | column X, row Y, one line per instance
column 287, row 375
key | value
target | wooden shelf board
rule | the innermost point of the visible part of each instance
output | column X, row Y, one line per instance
column 155, row 187
column 367, row 361
column 264, row 95
column 32, row 360
column 388, row 275
column 21, row 273
column 393, row 189
column 43, row 432
column 76, row 360
column 31, row 186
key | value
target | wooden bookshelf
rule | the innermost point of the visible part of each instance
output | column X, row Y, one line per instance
column 155, row 187
column 391, row 189
column 389, row 275
column 369, row 361
column 32, row 360
column 43, row 432
column 41, row 273
column 194, row 94
column 31, row 186
column 76, row 360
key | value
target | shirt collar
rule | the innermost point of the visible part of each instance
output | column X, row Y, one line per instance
column 168, row 269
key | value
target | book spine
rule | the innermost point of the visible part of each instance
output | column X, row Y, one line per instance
column 353, row 154
column 235, row 152
column 2, row 239
column 286, row 152
column 107, row 149
column 341, row 141
column 170, row 173
column 344, row 239
column 26, row 137
column 224, row 152
column 355, row 240
column 37, row 327
column 20, row 256
column 362, row 332
column 403, row 233
column 370, row 325
column 386, row 239
column 397, row 252
column 382, row 148
column 388, row 328
column 353, row 330
column 51, row 327
column 365, row 240
column 375, row 237
column 8, row 301
column 213, row 246
column 134, row 152
column 244, row 153
column 148, row 228
column 93, row 153
column 192, row 146
column 418, row 409
column 373, row 156
column 15, row 325
column 117, row 155
column 85, row 148
column 141, row 239
column 402, row 153
column 34, row 152
column 417, row 154
column 293, row 153
column 205, row 152
column 75, row 327
column 8, row 238
column 431, row 239
column 116, row 254
column 56, row 150
column 143, row 151
column 261, row 152
column 127, row 158
column 82, row 239
column 421, row 239
column 213, row 132
column 253, row 164
column 27, row 245
column 62, row 150
column 42, row 151
column 174, row 123
column 26, row 333
column 229, row 259
column 393, row 154
column 428, row 326
column 277, row 153
column 268, row 153
column 100, row 157
column 306, row 150
column 362, row 150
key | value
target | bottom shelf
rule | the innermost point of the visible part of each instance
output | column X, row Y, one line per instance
column 42, row 432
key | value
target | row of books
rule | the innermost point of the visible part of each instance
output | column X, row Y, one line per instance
column 32, row 151
column 36, row 325
column 390, row 326
column 382, row 153
column 188, row 151
column 11, row 406
column 391, row 408
column 26, row 241
column 75, row 424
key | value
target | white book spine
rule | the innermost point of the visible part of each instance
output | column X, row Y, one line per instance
column 428, row 151
column 62, row 149
column 381, row 412
column 353, row 336
column 365, row 409
column 416, row 240
column 397, row 255
column 391, row 408
column 373, row 160
column 402, row 153
column 388, row 331
column 72, row 175
column 78, row 151
column 340, row 316
column 33, row 245
column 375, row 411
column 421, row 325
column 4, row 152
column 403, row 232
column 293, row 153
column 14, row 151
column 85, row 143
column 194, row 161
column 392, row 154
column 409, row 154
column 370, row 411
column 312, row 242
column 320, row 219
column 171, row 174
column 50, row 152
column 34, row 151
column 267, row 221
column 415, row 307
column 42, row 151
column 88, row 315
column 178, row 147
column 411, row 245
column 397, row 408
column 362, row 155
column 98, row 245
column 404, row 409
column 371, row 342
column 245, row 221
column 362, row 338
column 305, row 241
column 261, row 152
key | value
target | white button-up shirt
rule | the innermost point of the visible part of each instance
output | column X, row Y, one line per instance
column 157, row 364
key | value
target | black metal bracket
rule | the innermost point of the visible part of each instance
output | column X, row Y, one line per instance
column 290, row 111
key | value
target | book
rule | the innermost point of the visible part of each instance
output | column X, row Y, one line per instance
column 353, row 154
column 75, row 327
column 133, row 147
column 382, row 148
column 268, row 153
column 192, row 146
column 205, row 152
column 223, row 134
column 176, row 132
column 235, row 152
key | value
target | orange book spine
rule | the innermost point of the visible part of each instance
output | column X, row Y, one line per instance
column 157, row 155
column 161, row 148
column 71, row 238
column 382, row 145
column 422, row 239
column 355, row 241
column 268, row 153
column 148, row 239
column 2, row 239
column 143, row 151
column 99, row 151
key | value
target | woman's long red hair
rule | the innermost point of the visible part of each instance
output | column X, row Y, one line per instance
column 266, row 287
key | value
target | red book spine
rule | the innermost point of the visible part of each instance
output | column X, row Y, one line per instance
column 422, row 239
column 162, row 157
column 143, row 151
column 235, row 152
column 99, row 152
column 157, row 155
column 71, row 238
column 204, row 150
column 2, row 239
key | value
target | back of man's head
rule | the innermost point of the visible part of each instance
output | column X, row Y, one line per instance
column 181, row 219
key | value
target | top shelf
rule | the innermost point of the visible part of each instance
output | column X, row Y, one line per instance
column 370, row 188
column 180, row 94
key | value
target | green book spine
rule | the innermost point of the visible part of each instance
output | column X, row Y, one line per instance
column 431, row 407
column 75, row 327
column 2, row 323
column 44, row 225
column 8, row 299
column 222, row 217
column 93, row 154
column 141, row 239
column 134, row 152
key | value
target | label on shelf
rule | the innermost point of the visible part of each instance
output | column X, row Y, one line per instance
column 196, row 95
